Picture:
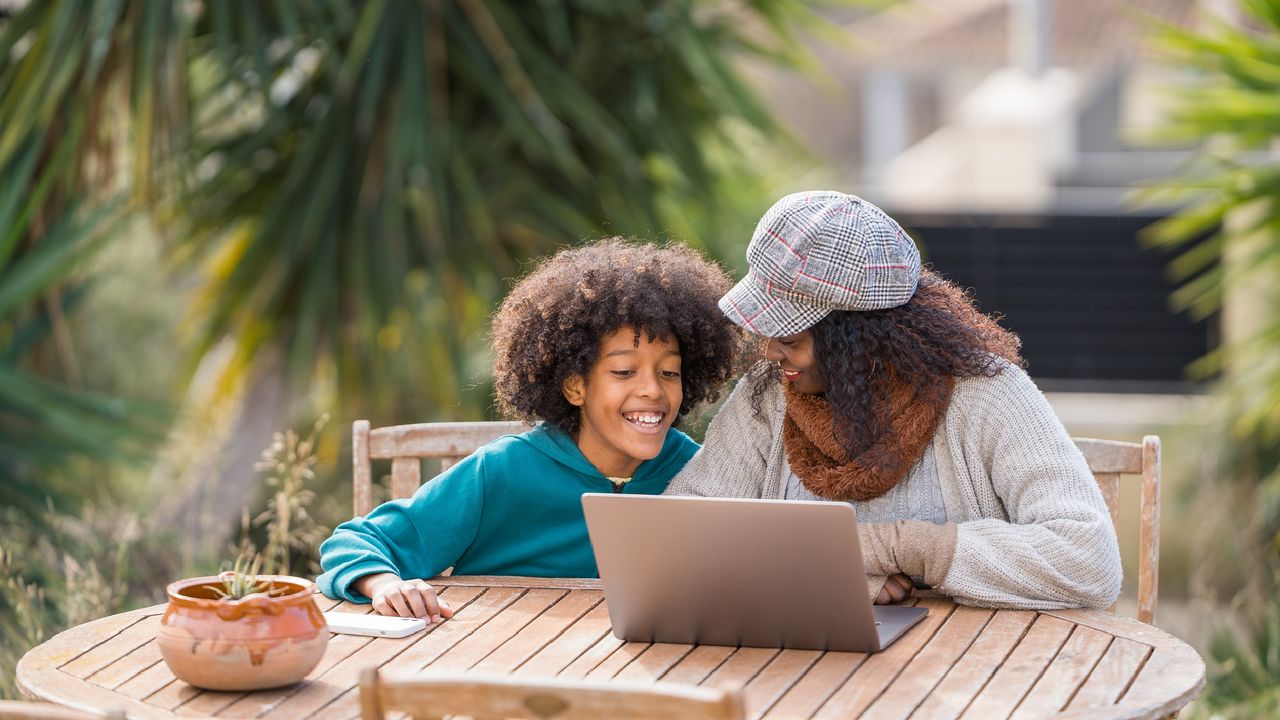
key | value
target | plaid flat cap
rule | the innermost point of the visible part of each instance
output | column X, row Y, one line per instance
column 818, row 251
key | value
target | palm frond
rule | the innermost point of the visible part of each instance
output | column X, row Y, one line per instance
column 450, row 142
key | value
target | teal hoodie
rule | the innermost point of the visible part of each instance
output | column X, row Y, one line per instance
column 511, row 508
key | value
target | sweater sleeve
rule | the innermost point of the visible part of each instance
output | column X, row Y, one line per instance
column 731, row 462
column 1058, row 548
column 417, row 537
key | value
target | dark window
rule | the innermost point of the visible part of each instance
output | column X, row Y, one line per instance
column 1090, row 302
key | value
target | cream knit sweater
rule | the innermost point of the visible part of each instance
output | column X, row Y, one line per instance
column 1032, row 528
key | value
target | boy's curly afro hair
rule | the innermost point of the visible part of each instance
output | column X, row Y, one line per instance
column 552, row 323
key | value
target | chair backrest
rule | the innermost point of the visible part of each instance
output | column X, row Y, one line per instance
column 482, row 697
column 407, row 445
column 17, row 710
column 1108, row 460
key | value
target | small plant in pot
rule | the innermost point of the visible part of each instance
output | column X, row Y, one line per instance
column 242, row 631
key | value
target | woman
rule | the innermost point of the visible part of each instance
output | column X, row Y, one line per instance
column 888, row 389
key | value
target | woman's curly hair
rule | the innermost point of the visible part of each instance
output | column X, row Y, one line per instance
column 552, row 323
column 939, row 334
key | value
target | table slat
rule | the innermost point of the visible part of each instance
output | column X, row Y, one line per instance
column 146, row 682
column 474, row 616
column 776, row 678
column 698, row 664
column 818, row 684
column 333, row 685
column 930, row 665
column 1163, row 677
column 541, row 632
column 497, row 631
column 882, row 668
column 587, row 661
column 207, row 703
column 654, row 662
column 1021, row 669
column 351, row 607
column 104, row 631
column 1170, row 677
column 1074, row 662
column 740, row 668
column 972, row 671
column 172, row 695
column 569, row 646
column 618, row 660
column 344, row 707
column 126, row 668
column 114, row 648
column 1112, row 675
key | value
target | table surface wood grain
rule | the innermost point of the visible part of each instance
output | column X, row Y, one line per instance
column 960, row 662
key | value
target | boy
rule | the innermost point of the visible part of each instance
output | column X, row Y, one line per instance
column 608, row 345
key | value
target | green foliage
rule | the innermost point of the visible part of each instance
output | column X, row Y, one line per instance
column 293, row 536
column 1244, row 664
column 46, row 422
column 289, row 464
column 1229, row 230
column 1230, row 224
column 241, row 580
column 59, row 205
column 393, row 164
column 59, row 571
column 1230, row 194
column 356, row 182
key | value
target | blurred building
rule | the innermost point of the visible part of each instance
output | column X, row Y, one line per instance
column 1007, row 135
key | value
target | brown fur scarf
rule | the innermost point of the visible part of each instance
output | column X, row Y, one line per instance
column 816, row 457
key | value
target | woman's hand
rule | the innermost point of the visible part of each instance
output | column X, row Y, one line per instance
column 896, row 589
column 405, row 598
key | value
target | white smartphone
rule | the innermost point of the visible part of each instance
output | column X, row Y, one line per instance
column 373, row 624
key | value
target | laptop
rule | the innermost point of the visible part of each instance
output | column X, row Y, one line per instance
column 720, row 571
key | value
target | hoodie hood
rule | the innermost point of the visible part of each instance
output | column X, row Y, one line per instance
column 552, row 441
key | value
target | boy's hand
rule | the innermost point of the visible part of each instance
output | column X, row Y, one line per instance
column 405, row 598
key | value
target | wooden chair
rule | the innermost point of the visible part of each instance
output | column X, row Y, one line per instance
column 1108, row 460
column 483, row 697
column 407, row 445
column 18, row 710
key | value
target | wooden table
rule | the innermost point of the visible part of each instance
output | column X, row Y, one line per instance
column 959, row 662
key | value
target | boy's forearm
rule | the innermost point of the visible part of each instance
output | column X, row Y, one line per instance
column 365, row 583
column 406, row 539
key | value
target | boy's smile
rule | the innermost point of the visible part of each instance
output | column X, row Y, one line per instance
column 628, row 400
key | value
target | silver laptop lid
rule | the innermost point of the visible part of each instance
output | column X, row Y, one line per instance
column 761, row 573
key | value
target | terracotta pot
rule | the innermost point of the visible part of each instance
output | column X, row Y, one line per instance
column 256, row 642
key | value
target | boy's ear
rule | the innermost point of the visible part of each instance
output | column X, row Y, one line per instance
column 575, row 390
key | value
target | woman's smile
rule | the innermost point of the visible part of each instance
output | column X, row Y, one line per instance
column 793, row 354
